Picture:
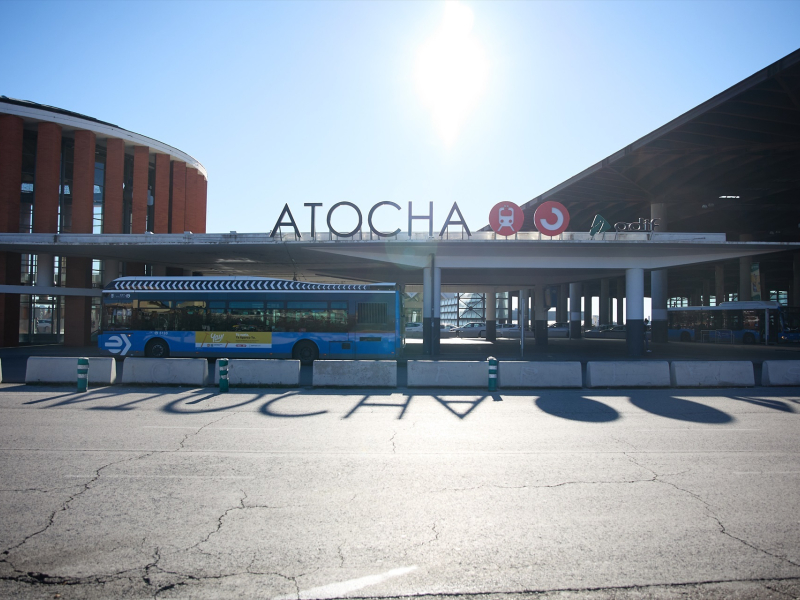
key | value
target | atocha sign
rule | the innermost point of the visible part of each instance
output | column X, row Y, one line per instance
column 505, row 218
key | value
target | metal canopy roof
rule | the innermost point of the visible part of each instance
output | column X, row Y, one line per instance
column 744, row 143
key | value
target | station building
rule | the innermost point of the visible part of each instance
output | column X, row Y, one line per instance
column 65, row 173
column 704, row 209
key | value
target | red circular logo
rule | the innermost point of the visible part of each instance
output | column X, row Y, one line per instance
column 551, row 218
column 506, row 218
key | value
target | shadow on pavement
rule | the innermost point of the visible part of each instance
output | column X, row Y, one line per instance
column 577, row 409
column 672, row 407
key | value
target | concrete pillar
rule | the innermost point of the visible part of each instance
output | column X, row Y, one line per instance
column 11, row 135
column 436, row 299
column 491, row 316
column 522, row 317
column 634, row 311
column 427, row 309
column 178, row 195
column 191, row 213
column 112, row 192
column 575, row 311
column 605, row 303
column 658, row 299
column 706, row 290
column 45, row 270
column 111, row 271
column 539, row 316
column 141, row 168
column 719, row 283
column 620, row 301
column 744, row 278
column 161, row 195
column 587, row 306
column 561, row 307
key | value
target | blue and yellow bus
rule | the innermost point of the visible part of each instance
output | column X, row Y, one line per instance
column 255, row 317
column 746, row 322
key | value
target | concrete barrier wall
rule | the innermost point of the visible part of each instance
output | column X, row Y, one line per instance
column 355, row 373
column 62, row 369
column 452, row 374
column 780, row 372
column 165, row 371
column 623, row 374
column 254, row 372
column 718, row 373
column 518, row 374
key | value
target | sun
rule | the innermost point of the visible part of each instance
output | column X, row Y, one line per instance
column 451, row 71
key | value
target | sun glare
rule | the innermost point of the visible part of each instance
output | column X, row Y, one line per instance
column 451, row 71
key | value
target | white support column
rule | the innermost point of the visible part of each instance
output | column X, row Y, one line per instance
column 491, row 316
column 634, row 311
column 45, row 270
column 427, row 309
column 522, row 319
column 539, row 316
column 605, row 304
column 575, row 290
column 436, row 299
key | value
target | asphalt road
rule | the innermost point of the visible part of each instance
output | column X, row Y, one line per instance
column 168, row 493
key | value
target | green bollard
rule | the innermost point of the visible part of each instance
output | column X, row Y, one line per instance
column 223, row 375
column 492, row 374
column 83, row 374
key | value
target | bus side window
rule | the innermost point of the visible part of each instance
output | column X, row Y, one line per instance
column 247, row 316
column 217, row 317
column 275, row 317
column 733, row 320
column 190, row 315
column 152, row 315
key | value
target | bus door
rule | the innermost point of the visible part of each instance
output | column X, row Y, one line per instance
column 374, row 328
column 341, row 340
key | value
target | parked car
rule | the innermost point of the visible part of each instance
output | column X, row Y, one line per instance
column 413, row 326
column 470, row 330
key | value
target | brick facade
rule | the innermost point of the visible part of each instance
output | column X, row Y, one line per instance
column 161, row 195
column 10, row 172
column 190, row 215
column 83, row 182
column 141, row 165
column 115, row 173
column 178, row 195
column 48, row 178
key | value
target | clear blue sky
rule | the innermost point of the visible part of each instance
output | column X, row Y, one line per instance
column 320, row 101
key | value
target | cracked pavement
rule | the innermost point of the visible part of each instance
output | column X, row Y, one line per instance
column 182, row 493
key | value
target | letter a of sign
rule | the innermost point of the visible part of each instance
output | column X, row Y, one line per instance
column 280, row 223
column 448, row 222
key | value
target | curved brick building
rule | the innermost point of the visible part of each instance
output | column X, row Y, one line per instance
column 63, row 172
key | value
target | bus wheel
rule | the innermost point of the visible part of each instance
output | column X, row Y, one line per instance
column 685, row 336
column 306, row 352
column 157, row 348
column 748, row 338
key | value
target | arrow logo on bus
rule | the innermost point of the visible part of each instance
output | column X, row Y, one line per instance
column 118, row 344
